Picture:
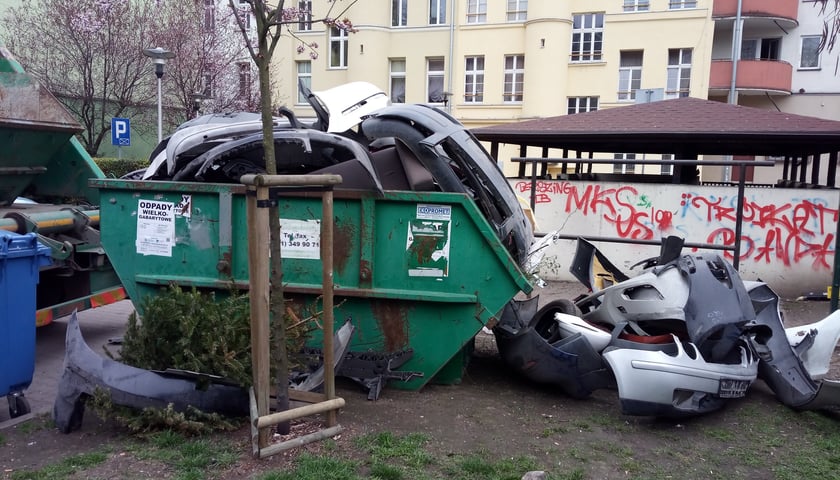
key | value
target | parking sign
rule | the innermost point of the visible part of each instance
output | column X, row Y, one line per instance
column 120, row 132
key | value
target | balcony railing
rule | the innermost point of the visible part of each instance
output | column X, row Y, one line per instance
column 784, row 9
column 756, row 76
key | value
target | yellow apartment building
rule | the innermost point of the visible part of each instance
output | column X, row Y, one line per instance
column 497, row 61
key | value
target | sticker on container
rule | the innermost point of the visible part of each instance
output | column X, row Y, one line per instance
column 300, row 238
column 427, row 244
column 184, row 207
column 155, row 228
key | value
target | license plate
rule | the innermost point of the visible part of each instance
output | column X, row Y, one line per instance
column 730, row 388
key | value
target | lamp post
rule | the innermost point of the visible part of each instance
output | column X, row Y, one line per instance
column 159, row 57
column 197, row 99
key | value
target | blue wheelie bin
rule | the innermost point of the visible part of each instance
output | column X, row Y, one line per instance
column 21, row 257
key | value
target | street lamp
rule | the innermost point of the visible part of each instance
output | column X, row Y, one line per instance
column 159, row 57
column 197, row 99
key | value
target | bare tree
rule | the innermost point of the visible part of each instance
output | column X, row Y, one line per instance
column 86, row 53
column 272, row 23
column 89, row 54
column 210, row 58
column 831, row 25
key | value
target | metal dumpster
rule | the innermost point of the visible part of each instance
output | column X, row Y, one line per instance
column 42, row 161
column 415, row 271
column 21, row 256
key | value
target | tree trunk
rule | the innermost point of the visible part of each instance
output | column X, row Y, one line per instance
column 277, row 301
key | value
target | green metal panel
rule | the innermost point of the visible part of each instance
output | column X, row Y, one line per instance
column 40, row 158
column 412, row 270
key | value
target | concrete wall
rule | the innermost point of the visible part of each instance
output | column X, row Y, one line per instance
column 788, row 235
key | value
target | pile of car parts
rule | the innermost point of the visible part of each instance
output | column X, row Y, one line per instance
column 679, row 339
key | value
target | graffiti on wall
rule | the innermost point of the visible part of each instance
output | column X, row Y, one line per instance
column 775, row 229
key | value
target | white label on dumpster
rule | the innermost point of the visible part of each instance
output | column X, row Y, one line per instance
column 300, row 238
column 434, row 212
column 427, row 243
column 184, row 207
column 155, row 228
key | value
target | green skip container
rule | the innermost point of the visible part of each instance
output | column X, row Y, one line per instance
column 413, row 270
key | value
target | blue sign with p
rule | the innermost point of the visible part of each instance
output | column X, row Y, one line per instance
column 120, row 132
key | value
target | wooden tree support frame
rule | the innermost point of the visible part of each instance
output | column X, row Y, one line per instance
column 258, row 271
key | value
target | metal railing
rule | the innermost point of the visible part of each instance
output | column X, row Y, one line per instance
column 739, row 214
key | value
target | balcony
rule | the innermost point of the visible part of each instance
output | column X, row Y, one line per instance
column 755, row 77
column 784, row 10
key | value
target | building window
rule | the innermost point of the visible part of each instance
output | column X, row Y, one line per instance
column 514, row 77
column 397, row 69
column 629, row 74
column 474, row 79
column 678, row 4
column 399, row 13
column 437, row 12
column 305, row 15
column 209, row 15
column 434, row 80
column 679, row 72
column 624, row 167
column 810, row 54
column 761, row 48
column 582, row 104
column 338, row 48
column 636, row 5
column 587, row 37
column 476, row 11
column 517, row 10
column 304, row 78
column 667, row 169
column 244, row 79
column 207, row 84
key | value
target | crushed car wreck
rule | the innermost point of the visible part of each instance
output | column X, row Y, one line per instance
column 668, row 349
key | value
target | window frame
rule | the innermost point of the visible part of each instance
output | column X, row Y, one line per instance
column 430, row 74
column 476, row 11
column 592, row 104
column 757, row 47
column 209, row 16
column 517, row 10
column 437, row 12
column 207, row 87
column 305, row 15
column 303, row 75
column 622, row 168
column 245, row 80
column 681, row 67
column 634, row 77
column 396, row 75
column 802, row 39
column 636, row 6
column 474, row 79
column 343, row 43
column 399, row 13
column 667, row 169
column 581, row 30
column 681, row 4
column 510, row 92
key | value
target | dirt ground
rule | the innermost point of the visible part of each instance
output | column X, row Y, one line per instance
column 494, row 412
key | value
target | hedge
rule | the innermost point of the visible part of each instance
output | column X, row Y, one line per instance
column 117, row 167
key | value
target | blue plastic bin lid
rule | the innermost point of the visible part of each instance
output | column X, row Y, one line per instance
column 15, row 245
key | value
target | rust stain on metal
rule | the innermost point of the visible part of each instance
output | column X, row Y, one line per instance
column 392, row 318
column 423, row 247
column 224, row 264
column 342, row 244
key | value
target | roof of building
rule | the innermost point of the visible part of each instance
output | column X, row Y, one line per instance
column 683, row 126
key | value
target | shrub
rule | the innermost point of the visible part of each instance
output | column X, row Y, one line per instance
column 117, row 167
column 194, row 331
